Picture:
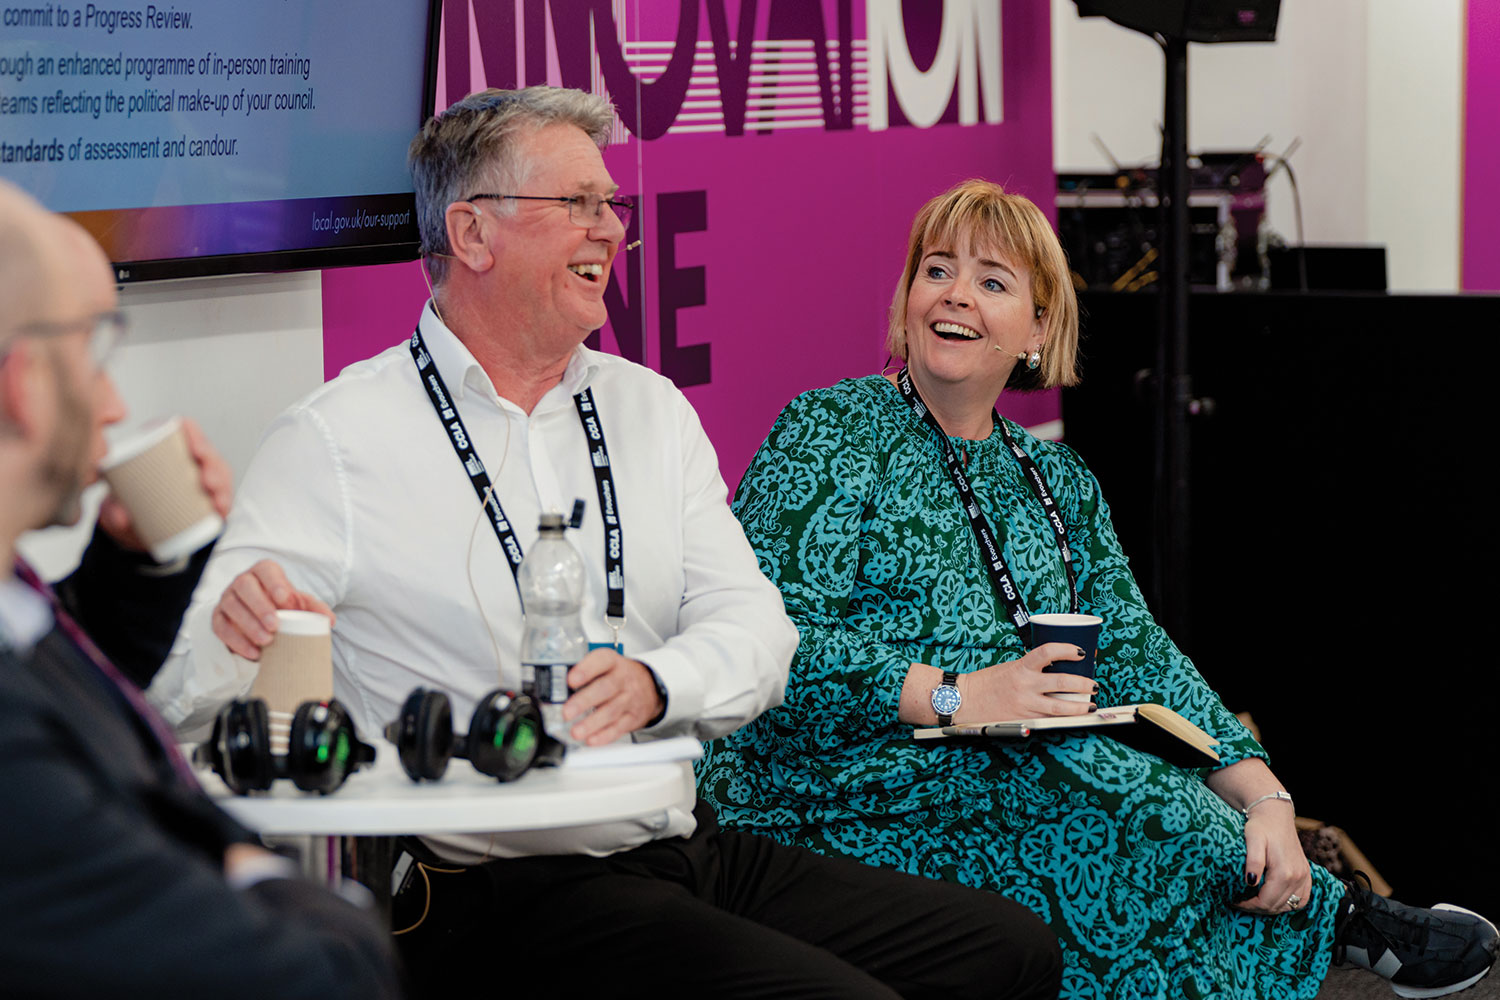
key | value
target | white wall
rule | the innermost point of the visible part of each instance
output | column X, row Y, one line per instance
column 1414, row 147
column 230, row 352
column 1372, row 87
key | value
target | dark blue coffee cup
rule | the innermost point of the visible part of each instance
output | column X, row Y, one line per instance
column 1078, row 630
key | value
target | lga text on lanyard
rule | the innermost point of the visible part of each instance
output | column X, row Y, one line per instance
column 989, row 548
column 463, row 446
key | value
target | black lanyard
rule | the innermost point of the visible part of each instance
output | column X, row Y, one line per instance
column 463, row 446
column 989, row 549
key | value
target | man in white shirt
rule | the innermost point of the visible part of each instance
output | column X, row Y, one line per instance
column 365, row 503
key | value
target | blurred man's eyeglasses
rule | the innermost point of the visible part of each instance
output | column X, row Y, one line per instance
column 105, row 331
column 586, row 210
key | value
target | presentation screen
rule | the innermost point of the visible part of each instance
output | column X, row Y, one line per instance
column 200, row 137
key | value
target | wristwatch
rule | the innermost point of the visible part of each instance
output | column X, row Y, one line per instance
column 946, row 699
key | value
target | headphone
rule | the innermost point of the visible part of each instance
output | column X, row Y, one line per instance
column 324, row 748
column 505, row 738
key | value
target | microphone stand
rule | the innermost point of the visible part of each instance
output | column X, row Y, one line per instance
column 1171, row 566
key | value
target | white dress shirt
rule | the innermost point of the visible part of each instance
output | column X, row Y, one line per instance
column 357, row 493
column 25, row 616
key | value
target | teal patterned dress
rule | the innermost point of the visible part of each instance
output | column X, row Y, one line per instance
column 1133, row 862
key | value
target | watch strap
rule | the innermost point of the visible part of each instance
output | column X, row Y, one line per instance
column 950, row 680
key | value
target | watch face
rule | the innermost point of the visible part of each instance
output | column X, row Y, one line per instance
column 945, row 700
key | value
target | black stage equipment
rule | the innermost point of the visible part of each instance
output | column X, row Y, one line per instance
column 1192, row 20
column 1324, row 268
column 1109, row 224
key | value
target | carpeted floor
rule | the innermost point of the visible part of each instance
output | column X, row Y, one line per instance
column 1357, row 984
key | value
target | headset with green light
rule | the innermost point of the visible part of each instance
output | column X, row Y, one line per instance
column 504, row 740
column 324, row 748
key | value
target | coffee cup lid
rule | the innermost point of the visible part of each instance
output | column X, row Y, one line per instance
column 1063, row 618
column 142, row 441
column 302, row 623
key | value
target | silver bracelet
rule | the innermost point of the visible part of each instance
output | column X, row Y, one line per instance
column 1283, row 796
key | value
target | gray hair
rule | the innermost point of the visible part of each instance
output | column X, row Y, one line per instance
column 471, row 146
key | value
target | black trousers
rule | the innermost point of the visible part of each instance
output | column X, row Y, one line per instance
column 718, row 914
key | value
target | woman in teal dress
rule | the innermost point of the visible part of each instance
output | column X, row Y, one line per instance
column 1159, row 881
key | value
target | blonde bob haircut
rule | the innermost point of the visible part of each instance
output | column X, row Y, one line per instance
column 1010, row 225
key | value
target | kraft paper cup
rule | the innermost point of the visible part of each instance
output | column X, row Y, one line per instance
column 155, row 477
column 296, row 666
column 1080, row 630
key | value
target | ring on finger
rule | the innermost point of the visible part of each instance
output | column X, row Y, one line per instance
column 1293, row 901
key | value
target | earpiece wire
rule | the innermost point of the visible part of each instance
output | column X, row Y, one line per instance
column 489, row 494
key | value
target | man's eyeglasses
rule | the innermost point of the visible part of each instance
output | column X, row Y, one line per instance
column 586, row 210
column 105, row 331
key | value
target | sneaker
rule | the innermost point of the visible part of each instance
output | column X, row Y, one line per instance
column 1424, row 953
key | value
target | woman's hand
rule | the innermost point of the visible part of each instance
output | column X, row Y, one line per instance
column 1020, row 689
column 1015, row 689
column 1273, row 855
column 1274, row 860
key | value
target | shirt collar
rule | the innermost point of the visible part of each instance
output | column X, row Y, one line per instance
column 25, row 615
column 462, row 372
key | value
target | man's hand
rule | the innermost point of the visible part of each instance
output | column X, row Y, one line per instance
column 239, row 858
column 245, row 619
column 620, row 692
column 213, row 474
column 246, row 864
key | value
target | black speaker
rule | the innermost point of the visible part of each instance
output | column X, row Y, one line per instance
column 1194, row 20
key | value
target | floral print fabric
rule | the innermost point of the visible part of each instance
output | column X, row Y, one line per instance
column 1133, row 862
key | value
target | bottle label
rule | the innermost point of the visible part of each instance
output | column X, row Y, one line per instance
column 549, row 682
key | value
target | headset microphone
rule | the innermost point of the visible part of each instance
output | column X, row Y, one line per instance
column 632, row 246
column 1023, row 356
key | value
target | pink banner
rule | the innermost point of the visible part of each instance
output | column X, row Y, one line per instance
column 1481, row 194
column 777, row 152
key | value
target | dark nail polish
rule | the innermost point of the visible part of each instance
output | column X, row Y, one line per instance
column 1093, row 707
column 1081, row 653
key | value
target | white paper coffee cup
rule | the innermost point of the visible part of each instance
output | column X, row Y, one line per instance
column 154, row 475
column 296, row 666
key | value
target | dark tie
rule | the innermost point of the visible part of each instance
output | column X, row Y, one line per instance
column 131, row 694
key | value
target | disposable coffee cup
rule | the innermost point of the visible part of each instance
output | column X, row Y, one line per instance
column 296, row 666
column 1079, row 630
column 153, row 474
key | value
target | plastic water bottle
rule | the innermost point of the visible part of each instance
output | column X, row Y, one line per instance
column 552, row 591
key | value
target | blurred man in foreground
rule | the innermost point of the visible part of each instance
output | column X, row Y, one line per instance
column 117, row 876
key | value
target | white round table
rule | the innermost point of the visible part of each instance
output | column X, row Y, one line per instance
column 353, row 830
column 380, row 800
